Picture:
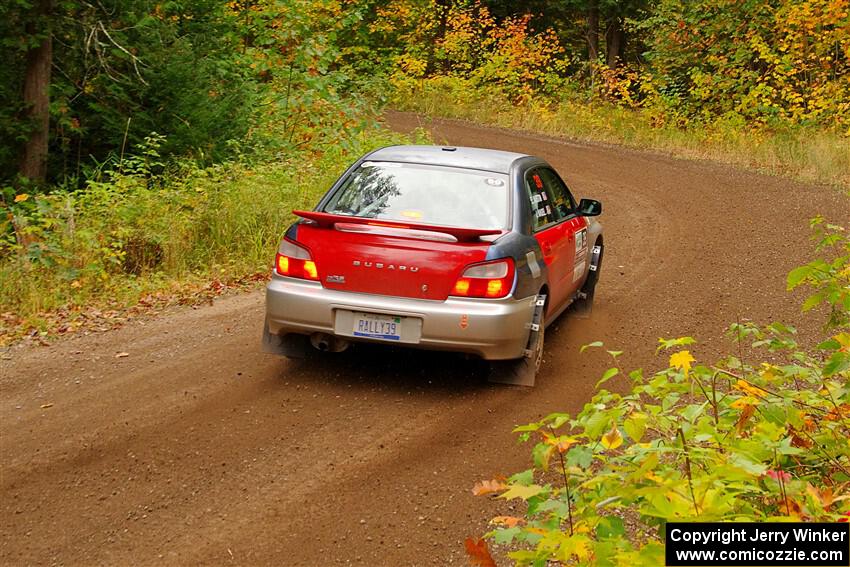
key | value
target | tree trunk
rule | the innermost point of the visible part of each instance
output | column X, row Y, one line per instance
column 443, row 7
column 36, row 97
column 475, row 47
column 592, row 32
column 614, row 42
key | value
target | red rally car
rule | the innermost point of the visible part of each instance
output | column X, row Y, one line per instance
column 446, row 248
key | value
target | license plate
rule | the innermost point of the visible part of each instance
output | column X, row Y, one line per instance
column 377, row 326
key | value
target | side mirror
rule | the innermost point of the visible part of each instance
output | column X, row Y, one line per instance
column 589, row 208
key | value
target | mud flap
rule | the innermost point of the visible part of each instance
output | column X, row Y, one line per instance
column 292, row 346
column 523, row 371
column 583, row 305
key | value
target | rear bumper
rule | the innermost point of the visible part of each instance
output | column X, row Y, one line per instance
column 494, row 329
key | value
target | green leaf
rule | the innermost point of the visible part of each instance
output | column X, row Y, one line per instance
column 521, row 491
column 605, row 554
column 523, row 556
column 692, row 411
column 785, row 448
column 610, row 373
column 812, row 301
column 651, row 554
column 635, row 425
column 838, row 362
column 557, row 507
column 525, row 477
column 506, row 535
column 594, row 344
column 579, row 456
column 556, row 420
column 745, row 463
column 541, row 454
column 596, row 424
column 636, row 376
column 669, row 401
column 659, row 505
column 610, row 526
column 797, row 275
column 665, row 344
column 526, row 428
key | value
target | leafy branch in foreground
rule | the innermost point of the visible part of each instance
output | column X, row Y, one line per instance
column 732, row 440
column 831, row 279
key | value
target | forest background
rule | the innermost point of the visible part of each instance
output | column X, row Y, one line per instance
column 149, row 148
column 151, row 153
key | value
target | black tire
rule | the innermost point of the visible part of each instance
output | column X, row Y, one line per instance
column 583, row 304
column 523, row 371
column 593, row 275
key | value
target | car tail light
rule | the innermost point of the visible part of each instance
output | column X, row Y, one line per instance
column 295, row 261
column 490, row 280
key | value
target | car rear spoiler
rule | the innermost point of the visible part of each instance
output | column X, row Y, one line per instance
column 328, row 220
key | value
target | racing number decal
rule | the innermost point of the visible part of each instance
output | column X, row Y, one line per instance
column 542, row 210
column 537, row 181
column 581, row 255
column 581, row 241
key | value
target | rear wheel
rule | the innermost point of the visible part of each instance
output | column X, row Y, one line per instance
column 583, row 305
column 523, row 371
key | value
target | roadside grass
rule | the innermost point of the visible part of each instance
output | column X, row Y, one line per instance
column 148, row 233
column 805, row 154
column 157, row 239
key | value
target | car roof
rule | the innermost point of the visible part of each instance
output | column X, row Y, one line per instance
column 496, row 161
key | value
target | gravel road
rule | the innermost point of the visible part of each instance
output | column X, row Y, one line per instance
column 198, row 449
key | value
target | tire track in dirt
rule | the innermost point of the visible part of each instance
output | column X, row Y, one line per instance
column 198, row 449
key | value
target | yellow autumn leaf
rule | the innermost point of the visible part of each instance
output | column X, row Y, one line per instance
column 509, row 521
column 768, row 371
column 749, row 389
column 575, row 546
column 825, row 497
column 613, row 438
column 561, row 443
column 742, row 403
column 654, row 477
column 21, row 198
column 843, row 338
column 520, row 491
column 682, row 360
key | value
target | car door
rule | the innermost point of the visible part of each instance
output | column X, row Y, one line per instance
column 551, row 233
column 574, row 230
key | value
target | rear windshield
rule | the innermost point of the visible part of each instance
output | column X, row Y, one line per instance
column 446, row 196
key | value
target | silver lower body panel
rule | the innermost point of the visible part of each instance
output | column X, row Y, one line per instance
column 494, row 329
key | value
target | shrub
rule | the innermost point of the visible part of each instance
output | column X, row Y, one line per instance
column 755, row 438
column 770, row 62
column 140, row 226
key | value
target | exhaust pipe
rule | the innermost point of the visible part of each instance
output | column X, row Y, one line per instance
column 328, row 343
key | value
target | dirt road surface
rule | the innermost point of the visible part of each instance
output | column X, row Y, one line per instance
column 198, row 449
